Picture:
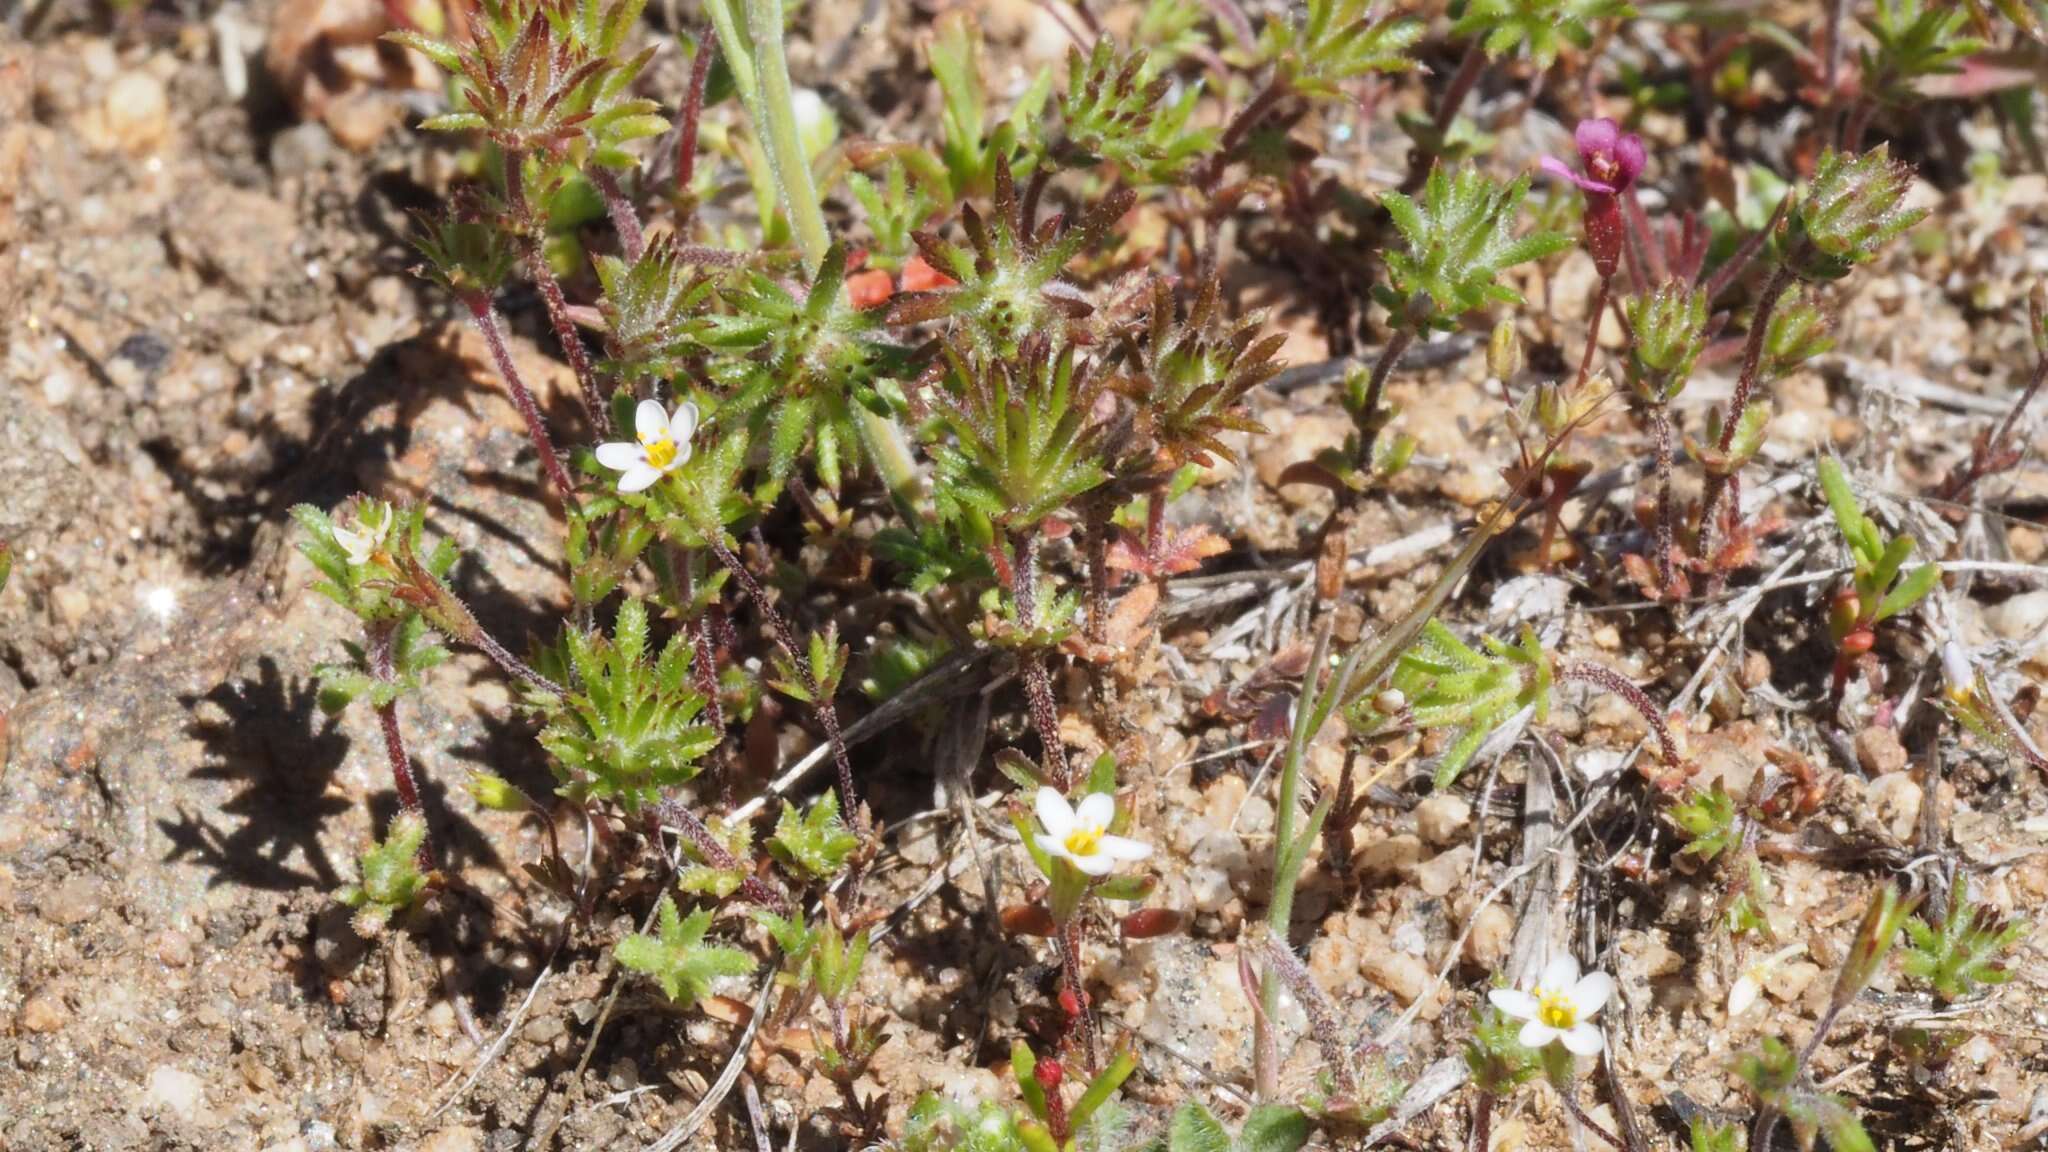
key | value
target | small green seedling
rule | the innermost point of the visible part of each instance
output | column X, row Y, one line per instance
column 1961, row 952
column 678, row 958
column 391, row 878
column 1877, row 591
column 1442, row 682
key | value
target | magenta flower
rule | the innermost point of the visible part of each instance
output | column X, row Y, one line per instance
column 1612, row 159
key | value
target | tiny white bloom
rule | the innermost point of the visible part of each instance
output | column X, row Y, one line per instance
column 1560, row 1007
column 1748, row 986
column 1081, row 834
column 362, row 541
column 1956, row 669
column 663, row 445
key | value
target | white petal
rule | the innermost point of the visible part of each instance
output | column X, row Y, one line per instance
column 355, row 544
column 682, row 455
column 1955, row 667
column 619, row 455
column 1560, row 974
column 1591, row 992
column 1053, row 845
column 1584, row 1040
column 1742, row 997
column 683, row 424
column 638, row 478
column 1096, row 811
column 650, row 421
column 1123, row 848
column 1515, row 1002
column 1053, row 813
column 1535, row 1034
column 1095, row 864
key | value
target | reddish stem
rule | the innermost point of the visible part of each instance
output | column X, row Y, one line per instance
column 485, row 316
column 1608, row 680
column 693, row 110
column 625, row 219
column 403, row 781
column 1045, row 712
column 543, row 277
column 1745, row 384
column 821, row 703
column 1593, row 334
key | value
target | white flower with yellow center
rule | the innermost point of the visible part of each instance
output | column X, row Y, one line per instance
column 1081, row 834
column 361, row 542
column 1560, row 1007
column 662, row 445
column 1958, row 674
column 1748, row 986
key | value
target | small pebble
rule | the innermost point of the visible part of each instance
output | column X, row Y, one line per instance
column 138, row 111
column 1879, row 752
column 174, row 1090
column 1442, row 818
column 1895, row 801
column 44, row 1013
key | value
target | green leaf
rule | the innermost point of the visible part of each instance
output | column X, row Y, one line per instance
column 816, row 845
column 1196, row 1129
column 1908, row 592
column 1274, row 1128
column 677, row 957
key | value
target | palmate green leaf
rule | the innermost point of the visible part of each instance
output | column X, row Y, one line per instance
column 1024, row 442
column 1963, row 952
column 816, row 845
column 1459, row 239
column 1115, row 109
column 1331, row 42
column 1196, row 1129
column 390, row 878
column 1540, row 27
column 678, row 958
column 1911, row 40
column 1446, row 683
column 627, row 728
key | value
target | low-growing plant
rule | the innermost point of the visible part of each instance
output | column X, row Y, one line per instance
column 1879, row 589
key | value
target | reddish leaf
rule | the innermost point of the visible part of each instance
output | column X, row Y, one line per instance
column 1146, row 923
column 869, row 289
column 1028, row 920
column 920, row 276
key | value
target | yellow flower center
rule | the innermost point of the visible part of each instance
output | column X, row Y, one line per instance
column 661, row 451
column 1556, row 1011
column 1082, row 841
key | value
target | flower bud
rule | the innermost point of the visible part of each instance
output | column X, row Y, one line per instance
column 1843, row 609
column 1504, row 352
column 495, row 793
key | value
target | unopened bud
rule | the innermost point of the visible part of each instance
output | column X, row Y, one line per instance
column 1843, row 609
column 495, row 793
column 1504, row 352
column 1389, row 701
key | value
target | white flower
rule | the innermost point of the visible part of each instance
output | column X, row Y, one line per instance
column 362, row 542
column 663, row 445
column 1743, row 996
column 1082, row 834
column 1956, row 669
column 1561, row 1007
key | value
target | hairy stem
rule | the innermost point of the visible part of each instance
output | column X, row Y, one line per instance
column 692, row 114
column 775, row 111
column 535, row 255
column 1462, row 81
column 1608, row 680
column 1745, row 384
column 679, row 816
column 1045, row 711
column 1578, row 1111
column 826, row 711
column 1660, row 430
column 403, row 781
column 1593, row 333
column 1481, row 1138
column 485, row 317
column 625, row 218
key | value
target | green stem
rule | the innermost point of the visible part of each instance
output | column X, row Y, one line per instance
column 775, row 112
column 761, row 72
